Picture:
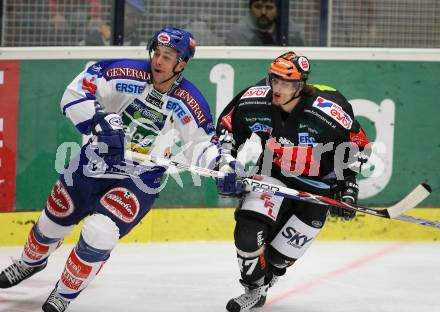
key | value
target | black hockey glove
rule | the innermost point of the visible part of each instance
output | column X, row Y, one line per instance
column 110, row 137
column 348, row 193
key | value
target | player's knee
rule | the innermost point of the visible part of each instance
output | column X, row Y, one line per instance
column 277, row 259
column 50, row 230
column 250, row 234
column 100, row 232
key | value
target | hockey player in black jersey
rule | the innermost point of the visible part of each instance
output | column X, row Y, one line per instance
column 311, row 142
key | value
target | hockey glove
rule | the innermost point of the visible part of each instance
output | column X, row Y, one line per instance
column 110, row 137
column 231, row 185
column 349, row 190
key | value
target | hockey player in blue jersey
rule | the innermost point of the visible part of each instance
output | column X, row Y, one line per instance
column 139, row 105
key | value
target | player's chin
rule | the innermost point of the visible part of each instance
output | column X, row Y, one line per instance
column 276, row 101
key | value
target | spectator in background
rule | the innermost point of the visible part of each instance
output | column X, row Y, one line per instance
column 99, row 33
column 68, row 20
column 134, row 11
column 259, row 27
column 64, row 14
column 203, row 30
column 205, row 24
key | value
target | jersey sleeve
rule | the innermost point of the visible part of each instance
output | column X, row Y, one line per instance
column 359, row 140
column 81, row 99
column 193, row 120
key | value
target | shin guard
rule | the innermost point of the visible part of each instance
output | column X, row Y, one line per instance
column 253, row 265
column 44, row 238
column 98, row 238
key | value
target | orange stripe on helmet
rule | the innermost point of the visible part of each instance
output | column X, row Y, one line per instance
column 284, row 67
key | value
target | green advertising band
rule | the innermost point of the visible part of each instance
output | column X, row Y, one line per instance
column 393, row 92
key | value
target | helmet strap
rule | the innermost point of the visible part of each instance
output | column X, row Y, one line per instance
column 297, row 94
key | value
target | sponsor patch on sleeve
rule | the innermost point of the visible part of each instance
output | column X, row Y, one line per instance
column 194, row 105
column 334, row 111
column 181, row 111
column 87, row 83
column 256, row 92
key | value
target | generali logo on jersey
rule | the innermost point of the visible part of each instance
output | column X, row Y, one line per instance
column 192, row 103
column 334, row 111
column 127, row 72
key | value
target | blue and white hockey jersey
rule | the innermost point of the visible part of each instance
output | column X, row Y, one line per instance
column 154, row 123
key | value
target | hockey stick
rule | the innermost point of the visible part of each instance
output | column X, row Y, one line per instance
column 411, row 200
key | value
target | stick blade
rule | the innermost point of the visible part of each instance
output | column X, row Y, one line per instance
column 415, row 197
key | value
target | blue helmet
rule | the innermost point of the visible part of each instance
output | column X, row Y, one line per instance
column 180, row 40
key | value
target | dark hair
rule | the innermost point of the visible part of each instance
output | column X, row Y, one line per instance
column 252, row 1
column 308, row 89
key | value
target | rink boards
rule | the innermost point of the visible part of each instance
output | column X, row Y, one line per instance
column 393, row 93
column 204, row 224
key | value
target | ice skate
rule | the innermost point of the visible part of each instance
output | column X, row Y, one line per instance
column 18, row 272
column 55, row 303
column 253, row 297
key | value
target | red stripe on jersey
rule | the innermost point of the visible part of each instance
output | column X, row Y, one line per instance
column 226, row 121
column 360, row 138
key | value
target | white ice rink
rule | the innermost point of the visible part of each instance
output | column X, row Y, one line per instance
column 202, row 276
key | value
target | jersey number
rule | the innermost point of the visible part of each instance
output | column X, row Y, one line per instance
column 247, row 265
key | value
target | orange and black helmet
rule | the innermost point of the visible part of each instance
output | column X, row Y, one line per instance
column 290, row 67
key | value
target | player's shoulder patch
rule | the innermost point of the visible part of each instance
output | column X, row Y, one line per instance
column 256, row 92
column 334, row 110
column 191, row 97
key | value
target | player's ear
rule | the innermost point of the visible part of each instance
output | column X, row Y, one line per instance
column 181, row 66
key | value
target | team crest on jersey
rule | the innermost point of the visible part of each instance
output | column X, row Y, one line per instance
column 59, row 203
column 256, row 92
column 334, row 111
column 96, row 68
column 122, row 203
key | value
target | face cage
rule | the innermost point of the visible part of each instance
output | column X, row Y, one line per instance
column 298, row 85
